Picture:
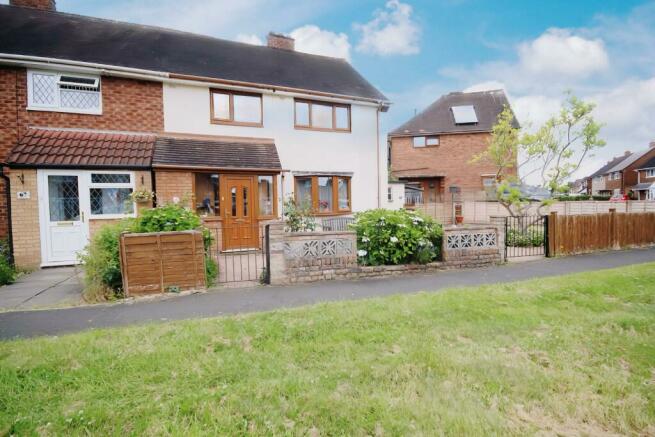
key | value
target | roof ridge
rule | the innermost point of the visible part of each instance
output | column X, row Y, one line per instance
column 167, row 29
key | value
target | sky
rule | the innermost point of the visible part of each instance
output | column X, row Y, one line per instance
column 416, row 50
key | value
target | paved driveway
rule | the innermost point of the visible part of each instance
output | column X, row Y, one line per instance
column 43, row 288
column 231, row 301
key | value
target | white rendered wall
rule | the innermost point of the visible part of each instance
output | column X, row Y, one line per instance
column 187, row 110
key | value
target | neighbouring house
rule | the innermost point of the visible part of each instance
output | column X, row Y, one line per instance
column 579, row 186
column 645, row 187
column 596, row 182
column 92, row 110
column 432, row 152
column 622, row 178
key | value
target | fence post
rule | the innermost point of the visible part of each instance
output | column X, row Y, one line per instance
column 267, row 245
column 613, row 230
column 546, row 241
column 552, row 234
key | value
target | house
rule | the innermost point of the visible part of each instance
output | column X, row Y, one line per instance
column 433, row 150
column 645, row 187
column 93, row 110
column 596, row 182
column 579, row 186
column 621, row 178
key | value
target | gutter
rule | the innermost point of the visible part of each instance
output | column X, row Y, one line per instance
column 160, row 76
column 10, row 231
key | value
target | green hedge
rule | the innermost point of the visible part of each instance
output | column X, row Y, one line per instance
column 387, row 237
column 529, row 238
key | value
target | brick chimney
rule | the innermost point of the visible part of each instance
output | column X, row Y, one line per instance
column 279, row 41
column 46, row 5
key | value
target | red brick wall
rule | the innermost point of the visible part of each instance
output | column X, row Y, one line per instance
column 451, row 157
column 644, row 178
column 127, row 105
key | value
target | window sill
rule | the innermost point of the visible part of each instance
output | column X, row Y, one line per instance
column 323, row 129
column 63, row 110
column 236, row 123
column 110, row 216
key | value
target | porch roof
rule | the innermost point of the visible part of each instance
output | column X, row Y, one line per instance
column 643, row 186
column 418, row 173
column 70, row 148
column 220, row 154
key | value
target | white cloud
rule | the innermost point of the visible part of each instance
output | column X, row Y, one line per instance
column 558, row 51
column 249, row 39
column 313, row 39
column 392, row 31
column 485, row 86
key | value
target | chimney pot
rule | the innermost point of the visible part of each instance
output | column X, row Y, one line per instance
column 279, row 41
column 45, row 5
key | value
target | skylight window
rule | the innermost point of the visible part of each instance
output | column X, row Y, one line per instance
column 464, row 114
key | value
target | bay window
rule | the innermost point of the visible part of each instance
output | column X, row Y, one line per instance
column 316, row 115
column 232, row 107
column 324, row 194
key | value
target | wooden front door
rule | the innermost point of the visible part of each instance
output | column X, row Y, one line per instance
column 240, row 230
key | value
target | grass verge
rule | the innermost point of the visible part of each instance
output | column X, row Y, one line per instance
column 567, row 355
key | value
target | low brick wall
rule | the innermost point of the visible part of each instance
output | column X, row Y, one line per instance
column 318, row 256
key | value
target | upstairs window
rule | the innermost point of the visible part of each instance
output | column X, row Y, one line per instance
column 64, row 92
column 650, row 173
column 432, row 141
column 231, row 107
column 322, row 116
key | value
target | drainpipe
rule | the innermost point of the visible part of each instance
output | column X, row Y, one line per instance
column 10, row 238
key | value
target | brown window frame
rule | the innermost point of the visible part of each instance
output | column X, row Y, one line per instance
column 334, row 116
column 335, row 194
column 231, row 120
column 259, row 215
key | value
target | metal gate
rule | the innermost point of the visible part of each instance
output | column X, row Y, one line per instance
column 526, row 236
column 241, row 264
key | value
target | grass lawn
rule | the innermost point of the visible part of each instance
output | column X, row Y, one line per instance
column 567, row 355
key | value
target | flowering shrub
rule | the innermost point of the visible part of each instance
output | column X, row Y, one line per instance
column 396, row 237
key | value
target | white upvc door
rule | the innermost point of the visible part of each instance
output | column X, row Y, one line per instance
column 63, row 214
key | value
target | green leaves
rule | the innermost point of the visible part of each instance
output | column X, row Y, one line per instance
column 396, row 237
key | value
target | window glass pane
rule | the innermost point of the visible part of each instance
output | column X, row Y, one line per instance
column 63, row 198
column 79, row 99
column 325, row 194
column 265, row 195
column 343, row 194
column 247, row 109
column 207, row 190
column 419, row 141
column 110, row 178
column 342, row 117
column 321, row 115
column 245, row 201
column 304, row 192
column 233, row 193
column 302, row 114
column 111, row 201
column 432, row 141
column 44, row 87
column 221, row 104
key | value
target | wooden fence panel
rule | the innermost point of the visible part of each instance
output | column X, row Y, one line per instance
column 160, row 261
column 570, row 234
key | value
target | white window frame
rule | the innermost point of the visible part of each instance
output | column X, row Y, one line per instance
column 56, row 107
column 90, row 185
column 650, row 173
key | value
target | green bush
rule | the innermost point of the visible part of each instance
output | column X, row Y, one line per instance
column 101, row 259
column 298, row 218
column 387, row 237
column 567, row 198
column 601, row 198
column 102, row 267
column 7, row 270
column 530, row 237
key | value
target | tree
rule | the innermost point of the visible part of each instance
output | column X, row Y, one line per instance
column 553, row 152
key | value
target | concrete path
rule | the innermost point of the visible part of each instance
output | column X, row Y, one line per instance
column 43, row 288
column 231, row 301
